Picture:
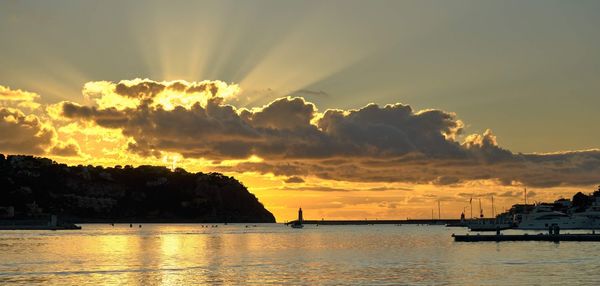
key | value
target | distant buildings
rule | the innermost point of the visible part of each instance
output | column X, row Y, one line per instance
column 7, row 212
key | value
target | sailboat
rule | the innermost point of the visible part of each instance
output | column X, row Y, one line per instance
column 488, row 224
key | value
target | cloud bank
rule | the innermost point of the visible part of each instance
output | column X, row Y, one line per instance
column 22, row 131
column 391, row 143
column 290, row 136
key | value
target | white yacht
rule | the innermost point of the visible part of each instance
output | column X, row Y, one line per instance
column 543, row 217
column 592, row 213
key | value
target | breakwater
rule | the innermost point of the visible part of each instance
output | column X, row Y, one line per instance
column 372, row 222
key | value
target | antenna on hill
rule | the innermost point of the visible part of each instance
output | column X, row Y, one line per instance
column 439, row 210
column 525, row 195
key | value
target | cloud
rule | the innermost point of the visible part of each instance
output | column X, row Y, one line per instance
column 294, row 180
column 575, row 169
column 18, row 98
column 316, row 188
column 287, row 128
column 353, row 188
column 16, row 95
column 25, row 127
column 446, row 180
column 23, row 134
column 390, row 143
column 66, row 149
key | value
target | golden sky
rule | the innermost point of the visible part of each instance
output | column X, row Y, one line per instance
column 376, row 162
column 347, row 109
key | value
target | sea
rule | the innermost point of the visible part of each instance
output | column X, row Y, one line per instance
column 264, row 254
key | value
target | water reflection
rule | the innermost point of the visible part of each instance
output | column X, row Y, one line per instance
column 234, row 254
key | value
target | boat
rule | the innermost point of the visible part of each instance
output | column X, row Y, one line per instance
column 297, row 225
column 592, row 213
column 488, row 225
column 500, row 222
column 542, row 216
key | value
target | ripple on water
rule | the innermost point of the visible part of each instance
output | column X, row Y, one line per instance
column 274, row 254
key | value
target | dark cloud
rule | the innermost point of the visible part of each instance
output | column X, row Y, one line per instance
column 392, row 143
column 316, row 189
column 319, row 188
column 519, row 169
column 148, row 89
column 143, row 89
column 283, row 129
column 294, row 180
column 446, row 180
column 65, row 149
column 110, row 117
column 23, row 134
column 282, row 114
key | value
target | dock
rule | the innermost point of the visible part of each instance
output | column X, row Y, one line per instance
column 39, row 227
column 50, row 222
column 527, row 237
column 375, row 221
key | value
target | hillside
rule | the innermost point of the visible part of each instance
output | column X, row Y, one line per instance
column 117, row 194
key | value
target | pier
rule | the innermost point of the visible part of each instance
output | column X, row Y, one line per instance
column 43, row 222
column 375, row 221
column 527, row 237
column 39, row 227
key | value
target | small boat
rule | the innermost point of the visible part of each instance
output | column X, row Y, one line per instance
column 297, row 225
column 487, row 225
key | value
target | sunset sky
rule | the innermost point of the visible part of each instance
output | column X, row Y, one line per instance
column 348, row 109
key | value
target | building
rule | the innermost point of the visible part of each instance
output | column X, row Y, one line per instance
column 7, row 212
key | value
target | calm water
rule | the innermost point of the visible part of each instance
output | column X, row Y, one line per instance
column 275, row 254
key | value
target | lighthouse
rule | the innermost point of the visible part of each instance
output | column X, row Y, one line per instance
column 298, row 223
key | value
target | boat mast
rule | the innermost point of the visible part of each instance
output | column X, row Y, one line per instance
column 439, row 210
column 471, row 204
column 493, row 209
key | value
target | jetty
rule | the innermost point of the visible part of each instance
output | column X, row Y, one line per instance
column 40, row 227
column 553, row 235
column 42, row 222
column 526, row 237
column 380, row 221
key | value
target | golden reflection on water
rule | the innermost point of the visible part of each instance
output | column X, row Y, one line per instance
column 275, row 254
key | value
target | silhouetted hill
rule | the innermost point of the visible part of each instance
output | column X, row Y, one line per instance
column 142, row 194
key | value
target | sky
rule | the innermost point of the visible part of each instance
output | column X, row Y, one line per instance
column 349, row 109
